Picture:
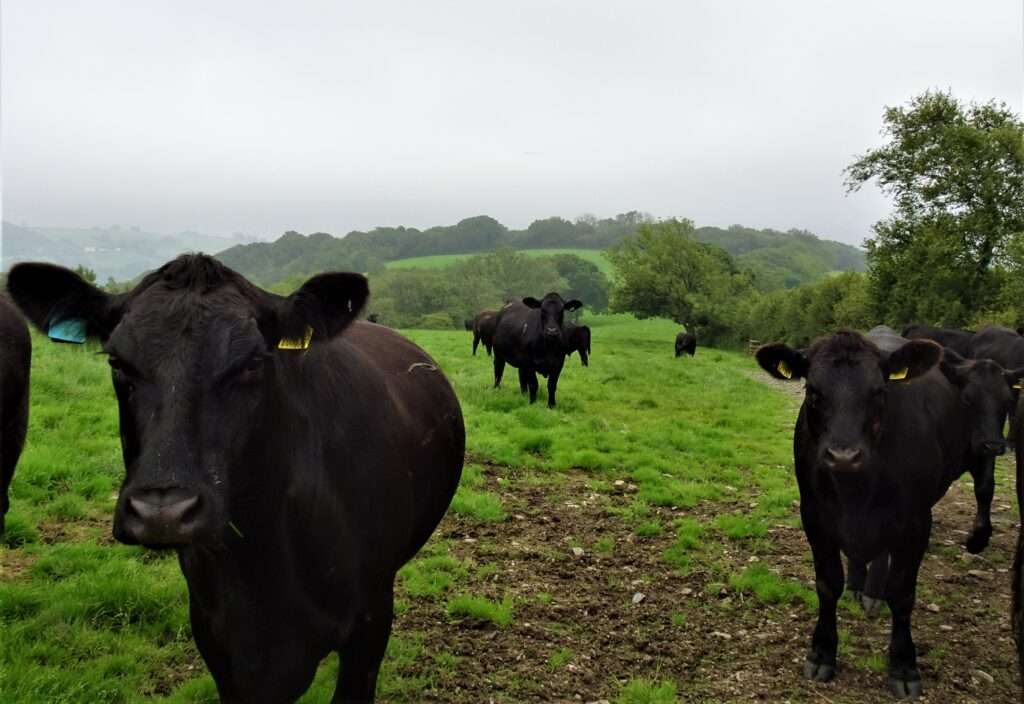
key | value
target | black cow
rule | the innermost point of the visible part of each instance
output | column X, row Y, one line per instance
column 1002, row 345
column 579, row 341
column 957, row 340
column 294, row 457
column 686, row 342
column 468, row 324
column 1017, row 608
column 531, row 337
column 483, row 330
column 15, row 363
column 878, row 441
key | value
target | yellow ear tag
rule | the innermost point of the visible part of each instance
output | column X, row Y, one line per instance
column 1018, row 386
column 784, row 369
column 900, row 375
column 296, row 343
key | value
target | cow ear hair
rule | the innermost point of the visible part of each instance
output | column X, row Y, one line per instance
column 62, row 304
column 954, row 367
column 319, row 310
column 573, row 304
column 531, row 302
column 912, row 360
column 782, row 361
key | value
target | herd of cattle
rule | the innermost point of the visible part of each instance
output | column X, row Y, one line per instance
column 296, row 457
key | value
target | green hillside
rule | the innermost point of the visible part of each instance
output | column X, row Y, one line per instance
column 440, row 261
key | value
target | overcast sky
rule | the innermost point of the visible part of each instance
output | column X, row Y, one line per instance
column 261, row 117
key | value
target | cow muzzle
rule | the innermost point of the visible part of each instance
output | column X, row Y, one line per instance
column 164, row 516
column 843, row 459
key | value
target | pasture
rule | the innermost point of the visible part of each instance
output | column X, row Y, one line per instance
column 440, row 261
column 639, row 544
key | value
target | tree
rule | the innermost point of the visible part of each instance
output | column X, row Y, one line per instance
column 956, row 176
column 584, row 281
column 663, row 271
column 86, row 273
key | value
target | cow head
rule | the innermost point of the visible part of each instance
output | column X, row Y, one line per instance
column 986, row 390
column 194, row 353
column 552, row 314
column 848, row 380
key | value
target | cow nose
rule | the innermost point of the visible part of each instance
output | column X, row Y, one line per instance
column 844, row 458
column 165, row 516
column 551, row 330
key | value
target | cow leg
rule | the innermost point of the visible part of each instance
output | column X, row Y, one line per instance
column 499, row 369
column 524, row 381
column 874, row 588
column 531, row 378
column 487, row 346
column 362, row 654
column 828, row 571
column 476, row 341
column 856, row 575
column 552, row 387
column 904, row 677
column 983, row 471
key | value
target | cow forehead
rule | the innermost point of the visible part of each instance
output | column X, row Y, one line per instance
column 848, row 373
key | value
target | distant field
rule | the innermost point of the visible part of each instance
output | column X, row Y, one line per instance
column 639, row 544
column 439, row 261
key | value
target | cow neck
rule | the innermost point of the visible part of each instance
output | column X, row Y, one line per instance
column 853, row 492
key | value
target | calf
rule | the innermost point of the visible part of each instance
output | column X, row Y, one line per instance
column 294, row 457
column 957, row 340
column 686, row 342
column 578, row 337
column 483, row 330
column 877, row 442
column 15, row 363
column 531, row 336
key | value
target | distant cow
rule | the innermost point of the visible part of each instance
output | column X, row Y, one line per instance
column 957, row 340
column 294, row 456
column 531, row 336
column 686, row 342
column 879, row 438
column 15, row 363
column 578, row 337
column 483, row 330
column 468, row 323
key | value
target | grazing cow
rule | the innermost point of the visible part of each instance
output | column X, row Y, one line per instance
column 483, row 330
column 373, row 318
column 877, row 442
column 531, row 337
column 957, row 340
column 686, row 342
column 468, row 324
column 15, row 361
column 579, row 341
column 294, row 456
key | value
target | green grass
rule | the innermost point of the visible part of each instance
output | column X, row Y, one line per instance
column 644, row 691
column 83, row 620
column 770, row 588
column 480, row 608
column 440, row 261
column 560, row 658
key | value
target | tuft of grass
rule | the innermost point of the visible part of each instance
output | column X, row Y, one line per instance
column 560, row 658
column 649, row 529
column 481, row 506
column 605, row 545
column 482, row 609
column 738, row 526
column 688, row 539
column 430, row 577
column 770, row 588
column 545, row 598
column 645, row 691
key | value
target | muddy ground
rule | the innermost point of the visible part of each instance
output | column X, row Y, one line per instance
column 722, row 646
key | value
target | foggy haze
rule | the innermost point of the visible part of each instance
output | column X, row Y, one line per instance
column 330, row 116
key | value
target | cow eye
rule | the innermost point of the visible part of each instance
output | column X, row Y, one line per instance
column 121, row 374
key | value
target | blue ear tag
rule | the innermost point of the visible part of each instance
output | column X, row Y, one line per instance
column 68, row 330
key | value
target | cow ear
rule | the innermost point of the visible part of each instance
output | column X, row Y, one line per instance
column 913, row 359
column 954, row 367
column 1014, row 377
column 62, row 304
column 1020, row 331
column 321, row 308
column 573, row 304
column 531, row 302
column 782, row 361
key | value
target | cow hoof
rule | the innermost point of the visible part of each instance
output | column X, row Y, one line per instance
column 978, row 541
column 907, row 686
column 819, row 672
column 872, row 607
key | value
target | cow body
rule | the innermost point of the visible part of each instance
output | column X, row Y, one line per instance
column 686, row 342
column 878, row 441
column 531, row 337
column 483, row 330
column 579, row 341
column 957, row 340
column 15, row 363
column 294, row 457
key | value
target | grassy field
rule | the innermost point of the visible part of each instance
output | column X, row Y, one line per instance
column 638, row 544
column 440, row 261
